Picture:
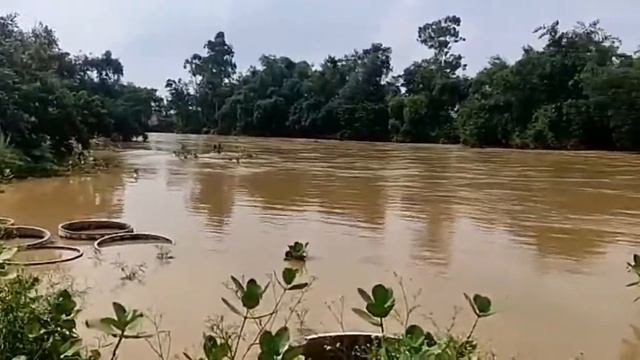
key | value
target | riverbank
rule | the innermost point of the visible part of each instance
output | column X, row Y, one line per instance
column 513, row 147
column 102, row 156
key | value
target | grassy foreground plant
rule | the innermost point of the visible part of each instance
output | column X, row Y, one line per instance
column 224, row 343
column 124, row 325
column 6, row 254
column 37, row 323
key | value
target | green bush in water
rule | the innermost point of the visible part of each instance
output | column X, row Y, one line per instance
column 297, row 251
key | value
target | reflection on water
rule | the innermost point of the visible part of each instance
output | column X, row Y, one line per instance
column 545, row 234
column 48, row 202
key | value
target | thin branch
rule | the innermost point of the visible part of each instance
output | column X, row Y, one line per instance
column 244, row 322
column 297, row 303
column 473, row 328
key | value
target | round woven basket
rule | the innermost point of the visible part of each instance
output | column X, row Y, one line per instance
column 41, row 236
column 76, row 253
column 92, row 229
column 131, row 239
column 5, row 221
column 346, row 345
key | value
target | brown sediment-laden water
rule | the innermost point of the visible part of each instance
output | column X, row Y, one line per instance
column 545, row 234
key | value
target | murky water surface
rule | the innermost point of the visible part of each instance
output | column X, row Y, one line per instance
column 545, row 234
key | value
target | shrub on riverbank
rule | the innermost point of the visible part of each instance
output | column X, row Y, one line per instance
column 51, row 100
column 576, row 91
column 14, row 164
column 36, row 323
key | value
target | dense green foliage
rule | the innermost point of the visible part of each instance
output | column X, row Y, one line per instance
column 36, row 323
column 50, row 100
column 577, row 91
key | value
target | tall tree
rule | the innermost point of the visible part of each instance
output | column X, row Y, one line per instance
column 434, row 86
column 212, row 73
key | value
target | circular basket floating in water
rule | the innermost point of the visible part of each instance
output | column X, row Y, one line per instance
column 76, row 253
column 131, row 239
column 355, row 345
column 5, row 221
column 92, row 229
column 36, row 235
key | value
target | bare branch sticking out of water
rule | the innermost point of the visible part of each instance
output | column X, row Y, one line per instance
column 336, row 308
column 160, row 344
column 135, row 272
column 164, row 254
column 409, row 302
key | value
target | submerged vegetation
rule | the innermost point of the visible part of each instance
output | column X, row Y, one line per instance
column 7, row 233
column 297, row 251
column 39, row 321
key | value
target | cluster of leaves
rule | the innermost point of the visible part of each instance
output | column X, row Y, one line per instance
column 634, row 267
column 38, row 324
column 297, row 251
column 272, row 346
column 416, row 343
column 343, row 98
column 124, row 325
column 224, row 343
column 130, row 272
column 577, row 91
column 38, row 321
column 6, row 254
column 10, row 159
column 184, row 153
column 81, row 160
column 49, row 98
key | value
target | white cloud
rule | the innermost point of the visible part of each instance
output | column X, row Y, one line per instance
column 153, row 37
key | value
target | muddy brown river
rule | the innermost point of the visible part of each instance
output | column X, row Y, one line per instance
column 545, row 234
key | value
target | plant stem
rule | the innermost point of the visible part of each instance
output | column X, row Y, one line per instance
column 114, row 354
column 275, row 310
column 297, row 303
column 382, row 326
column 261, row 328
column 473, row 328
column 407, row 308
column 244, row 322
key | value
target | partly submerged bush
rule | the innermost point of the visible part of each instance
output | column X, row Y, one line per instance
column 42, row 163
column 11, row 160
column 297, row 251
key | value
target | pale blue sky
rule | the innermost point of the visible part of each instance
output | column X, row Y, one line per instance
column 153, row 37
